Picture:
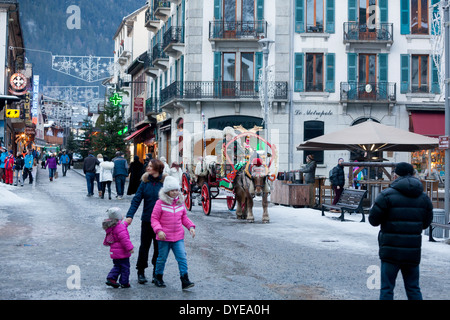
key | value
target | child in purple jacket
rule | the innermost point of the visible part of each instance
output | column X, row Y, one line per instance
column 121, row 248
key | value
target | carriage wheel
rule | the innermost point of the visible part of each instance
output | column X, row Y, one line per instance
column 231, row 202
column 206, row 199
column 186, row 188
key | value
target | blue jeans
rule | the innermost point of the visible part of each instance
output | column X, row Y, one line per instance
column 410, row 275
column 180, row 255
column 90, row 178
column 120, row 184
column 51, row 172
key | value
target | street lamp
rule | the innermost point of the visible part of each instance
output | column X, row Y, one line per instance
column 265, row 46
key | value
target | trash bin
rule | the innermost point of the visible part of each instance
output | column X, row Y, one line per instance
column 438, row 217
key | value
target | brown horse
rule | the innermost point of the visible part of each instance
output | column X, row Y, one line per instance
column 245, row 188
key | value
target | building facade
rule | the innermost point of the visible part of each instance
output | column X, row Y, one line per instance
column 332, row 65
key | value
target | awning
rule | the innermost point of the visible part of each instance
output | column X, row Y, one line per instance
column 430, row 124
column 137, row 133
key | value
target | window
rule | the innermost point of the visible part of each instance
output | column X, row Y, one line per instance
column 419, row 16
column 419, row 73
column 314, row 72
column 313, row 129
column 314, row 15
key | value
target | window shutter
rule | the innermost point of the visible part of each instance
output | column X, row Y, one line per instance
column 435, row 85
column 330, row 16
column 383, row 76
column 404, row 73
column 217, row 9
column 435, row 28
column 351, row 65
column 217, row 73
column 298, row 74
column 352, row 10
column 299, row 16
column 383, row 5
column 258, row 68
column 181, row 74
column 259, row 10
column 404, row 17
column 329, row 84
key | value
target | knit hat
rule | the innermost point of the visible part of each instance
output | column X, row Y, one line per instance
column 114, row 213
column 310, row 157
column 170, row 183
column 403, row 169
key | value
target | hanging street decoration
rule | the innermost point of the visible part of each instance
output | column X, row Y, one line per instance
column 72, row 94
column 123, row 131
column 87, row 68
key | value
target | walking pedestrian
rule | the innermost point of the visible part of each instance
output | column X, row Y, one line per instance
column 64, row 161
column 309, row 171
column 152, row 182
column 97, row 175
column 3, row 156
column 120, row 173
column 337, row 180
column 166, row 165
column 402, row 211
column 52, row 165
column 89, row 171
column 106, row 176
column 176, row 172
column 120, row 247
column 28, row 166
column 9, row 165
column 168, row 218
column 18, row 167
column 135, row 171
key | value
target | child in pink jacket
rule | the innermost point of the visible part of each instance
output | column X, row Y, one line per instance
column 168, row 218
column 121, row 248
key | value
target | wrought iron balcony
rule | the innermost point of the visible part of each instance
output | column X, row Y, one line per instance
column 173, row 41
column 221, row 29
column 161, row 8
column 233, row 90
column 160, row 58
column 378, row 92
column 151, row 22
column 152, row 106
column 355, row 32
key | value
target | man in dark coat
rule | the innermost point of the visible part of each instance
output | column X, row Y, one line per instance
column 402, row 211
column 337, row 180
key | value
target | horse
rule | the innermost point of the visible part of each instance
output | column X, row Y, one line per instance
column 246, row 186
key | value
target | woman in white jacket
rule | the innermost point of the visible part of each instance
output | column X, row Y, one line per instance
column 176, row 172
column 106, row 176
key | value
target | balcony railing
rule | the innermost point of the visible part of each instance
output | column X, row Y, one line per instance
column 376, row 92
column 152, row 106
column 219, row 90
column 173, row 35
column 158, row 53
column 356, row 32
column 161, row 4
column 221, row 29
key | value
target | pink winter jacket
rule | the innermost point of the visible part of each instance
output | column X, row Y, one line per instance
column 118, row 238
column 170, row 218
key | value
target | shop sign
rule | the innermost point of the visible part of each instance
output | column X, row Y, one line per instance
column 18, row 81
column 138, row 104
column 161, row 117
column 12, row 113
column 444, row 142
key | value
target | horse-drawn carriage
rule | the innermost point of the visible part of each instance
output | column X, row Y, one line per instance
column 231, row 167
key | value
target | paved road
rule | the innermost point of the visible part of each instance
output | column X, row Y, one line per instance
column 53, row 233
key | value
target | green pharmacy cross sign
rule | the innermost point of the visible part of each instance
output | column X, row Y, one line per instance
column 116, row 99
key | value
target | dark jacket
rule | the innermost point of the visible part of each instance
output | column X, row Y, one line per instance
column 120, row 166
column 148, row 191
column 310, row 172
column 135, row 170
column 19, row 163
column 89, row 164
column 403, row 210
column 337, row 176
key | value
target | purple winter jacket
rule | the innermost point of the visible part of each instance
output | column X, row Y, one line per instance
column 118, row 238
column 51, row 163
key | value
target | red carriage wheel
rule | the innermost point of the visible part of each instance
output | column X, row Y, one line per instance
column 186, row 189
column 231, row 202
column 206, row 199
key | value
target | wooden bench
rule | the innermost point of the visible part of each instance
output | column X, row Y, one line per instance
column 350, row 201
column 434, row 225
